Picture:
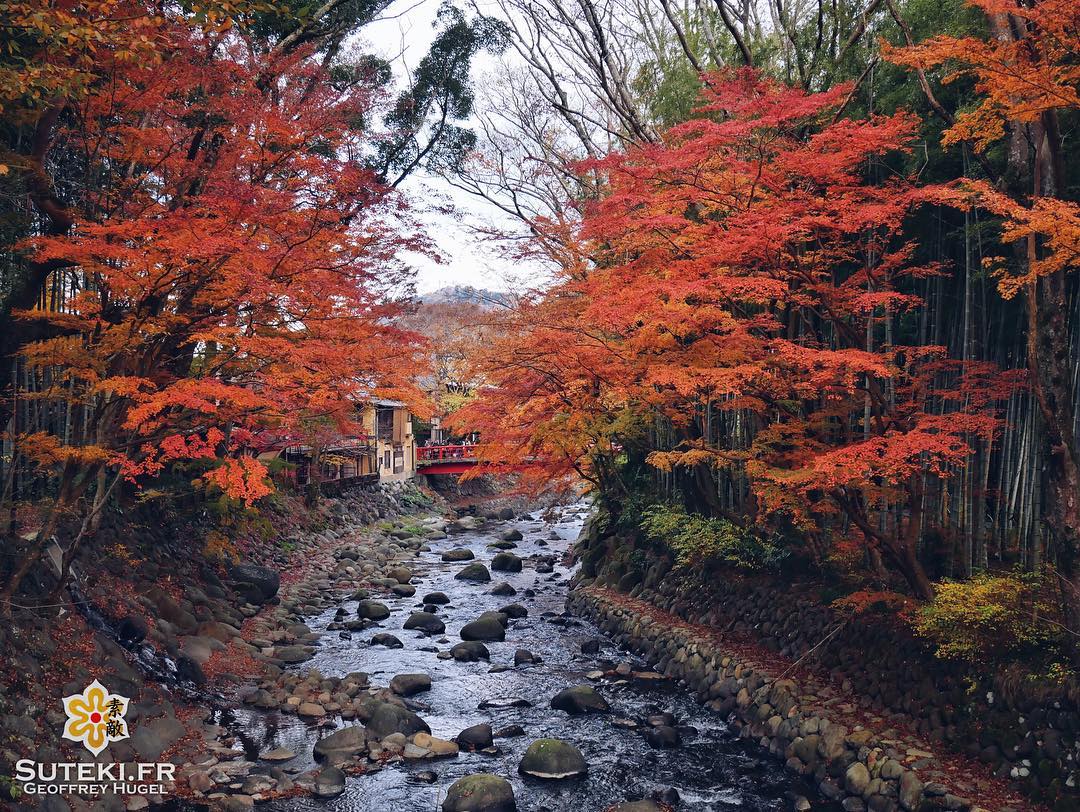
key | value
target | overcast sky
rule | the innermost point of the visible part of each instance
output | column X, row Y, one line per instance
column 404, row 36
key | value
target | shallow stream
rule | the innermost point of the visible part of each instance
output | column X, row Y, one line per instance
column 711, row 770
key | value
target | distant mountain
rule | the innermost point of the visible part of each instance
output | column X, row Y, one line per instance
column 465, row 294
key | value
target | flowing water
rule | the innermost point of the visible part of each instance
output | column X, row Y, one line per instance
column 712, row 770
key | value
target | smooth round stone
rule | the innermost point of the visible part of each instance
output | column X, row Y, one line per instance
column 480, row 792
column 553, row 759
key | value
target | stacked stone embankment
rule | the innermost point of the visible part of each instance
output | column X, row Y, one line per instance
column 963, row 737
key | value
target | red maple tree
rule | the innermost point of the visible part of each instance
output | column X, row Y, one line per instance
column 233, row 267
column 753, row 264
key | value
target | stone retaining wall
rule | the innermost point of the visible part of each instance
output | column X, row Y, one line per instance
column 1018, row 733
column 853, row 766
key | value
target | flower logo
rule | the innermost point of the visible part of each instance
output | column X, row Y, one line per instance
column 95, row 717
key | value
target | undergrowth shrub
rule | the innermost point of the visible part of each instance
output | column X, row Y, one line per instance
column 696, row 539
column 990, row 618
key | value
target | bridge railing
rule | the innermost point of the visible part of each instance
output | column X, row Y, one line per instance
column 441, row 453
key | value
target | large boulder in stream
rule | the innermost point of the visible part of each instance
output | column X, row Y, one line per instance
column 458, row 554
column 476, row 737
column 409, row 684
column 474, row 572
column 425, row 622
column 388, row 718
column 386, row 639
column 663, row 737
column 481, row 792
column 580, row 699
column 506, row 562
column 329, row 783
column 470, row 651
column 341, row 745
column 372, row 610
column 510, row 535
column 256, row 583
column 553, row 759
column 487, row 628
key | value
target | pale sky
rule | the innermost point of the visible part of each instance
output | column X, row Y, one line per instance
column 403, row 36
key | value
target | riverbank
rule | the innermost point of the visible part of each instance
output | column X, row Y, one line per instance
column 855, row 757
column 850, row 702
column 178, row 632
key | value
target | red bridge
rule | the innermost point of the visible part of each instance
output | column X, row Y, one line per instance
column 445, row 459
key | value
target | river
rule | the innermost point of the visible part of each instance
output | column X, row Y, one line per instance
column 711, row 770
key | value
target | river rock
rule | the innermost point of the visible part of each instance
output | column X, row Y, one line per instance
column 514, row 610
column 403, row 590
column 237, row 803
column 509, row 732
column 504, row 589
column 486, row 628
column 480, row 792
column 552, row 758
column 910, row 791
column 645, row 805
column 525, row 657
column 151, row 739
column 458, row 554
column 591, row 646
column 857, row 778
column 187, row 670
column 372, row 610
column 389, row 718
column 278, row 754
column 386, row 639
column 476, row 737
column 470, row 651
column 341, row 744
column 329, row 783
column 506, row 562
column 312, row 710
column 425, row 622
column 662, row 736
column 401, row 574
column 464, row 523
column 410, row 684
column 255, row 581
column 474, row 572
column 437, row 598
column 580, row 699
column 132, row 629
column 432, row 746
column 510, row 535
column 256, row 784
column 292, row 654
column 504, row 702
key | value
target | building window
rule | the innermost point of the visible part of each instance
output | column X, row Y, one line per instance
column 386, row 459
column 399, row 460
